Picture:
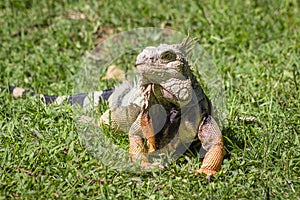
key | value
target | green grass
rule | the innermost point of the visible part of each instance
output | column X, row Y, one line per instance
column 255, row 45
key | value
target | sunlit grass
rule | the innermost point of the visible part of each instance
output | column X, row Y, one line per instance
column 255, row 45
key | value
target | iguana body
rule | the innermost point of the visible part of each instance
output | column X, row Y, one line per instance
column 167, row 110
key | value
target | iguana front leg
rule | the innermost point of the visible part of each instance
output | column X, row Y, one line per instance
column 148, row 132
column 137, row 145
column 142, row 141
column 211, row 139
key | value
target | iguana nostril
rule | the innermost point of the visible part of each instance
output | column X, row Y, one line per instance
column 152, row 58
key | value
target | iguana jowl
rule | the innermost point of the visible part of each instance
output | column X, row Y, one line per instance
column 166, row 110
column 174, row 110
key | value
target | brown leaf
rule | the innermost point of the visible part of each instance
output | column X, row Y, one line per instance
column 114, row 73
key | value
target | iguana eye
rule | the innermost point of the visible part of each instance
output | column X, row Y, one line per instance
column 168, row 56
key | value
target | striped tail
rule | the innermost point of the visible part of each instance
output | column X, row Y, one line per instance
column 81, row 99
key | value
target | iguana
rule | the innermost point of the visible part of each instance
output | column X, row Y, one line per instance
column 165, row 111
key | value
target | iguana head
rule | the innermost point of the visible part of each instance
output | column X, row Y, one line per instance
column 167, row 66
column 156, row 64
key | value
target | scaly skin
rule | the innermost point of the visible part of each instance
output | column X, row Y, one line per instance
column 211, row 139
column 168, row 108
column 166, row 79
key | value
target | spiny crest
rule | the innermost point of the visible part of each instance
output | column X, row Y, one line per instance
column 188, row 43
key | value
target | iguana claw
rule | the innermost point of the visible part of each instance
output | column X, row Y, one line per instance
column 148, row 165
column 208, row 172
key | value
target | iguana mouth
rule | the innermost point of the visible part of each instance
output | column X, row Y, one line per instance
column 158, row 73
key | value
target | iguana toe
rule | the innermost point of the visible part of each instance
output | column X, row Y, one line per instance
column 208, row 172
column 148, row 165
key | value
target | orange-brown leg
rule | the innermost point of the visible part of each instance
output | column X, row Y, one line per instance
column 137, row 146
column 137, row 149
column 148, row 132
column 211, row 139
column 140, row 133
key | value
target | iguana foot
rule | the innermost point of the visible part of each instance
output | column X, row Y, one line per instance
column 148, row 165
column 208, row 172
